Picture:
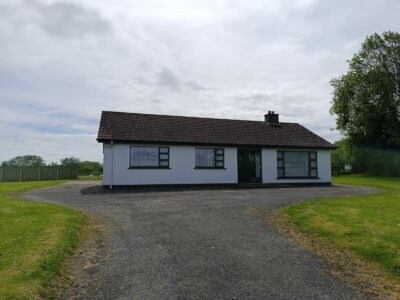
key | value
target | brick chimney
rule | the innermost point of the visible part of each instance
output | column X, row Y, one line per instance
column 272, row 119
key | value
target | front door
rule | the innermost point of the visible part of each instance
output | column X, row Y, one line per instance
column 249, row 165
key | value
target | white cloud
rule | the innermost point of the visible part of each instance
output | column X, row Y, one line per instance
column 62, row 62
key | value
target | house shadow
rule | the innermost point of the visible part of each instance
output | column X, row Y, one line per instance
column 99, row 189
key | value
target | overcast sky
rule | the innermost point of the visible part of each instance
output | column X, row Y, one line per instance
column 63, row 62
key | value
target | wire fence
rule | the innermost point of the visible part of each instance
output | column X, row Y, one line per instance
column 9, row 174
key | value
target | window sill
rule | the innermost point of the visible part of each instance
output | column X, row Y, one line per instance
column 210, row 168
column 298, row 178
column 149, row 168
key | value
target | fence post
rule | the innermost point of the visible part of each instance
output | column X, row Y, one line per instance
column 20, row 173
column 57, row 171
column 1, row 174
column 39, row 172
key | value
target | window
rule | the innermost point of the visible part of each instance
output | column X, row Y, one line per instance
column 209, row 158
column 297, row 164
column 149, row 157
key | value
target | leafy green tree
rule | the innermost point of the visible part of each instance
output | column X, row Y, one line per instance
column 370, row 160
column 24, row 161
column 366, row 99
column 70, row 161
column 85, row 167
column 90, row 168
column 340, row 156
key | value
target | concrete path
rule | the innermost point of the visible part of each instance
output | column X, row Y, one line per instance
column 199, row 244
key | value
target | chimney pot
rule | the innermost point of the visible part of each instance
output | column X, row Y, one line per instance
column 272, row 119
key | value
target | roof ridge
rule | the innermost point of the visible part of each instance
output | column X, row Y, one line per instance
column 141, row 127
column 189, row 117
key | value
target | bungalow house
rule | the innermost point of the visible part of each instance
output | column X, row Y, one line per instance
column 147, row 149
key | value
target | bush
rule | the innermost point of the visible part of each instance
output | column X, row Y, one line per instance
column 90, row 168
column 368, row 160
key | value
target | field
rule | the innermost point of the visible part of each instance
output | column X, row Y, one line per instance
column 366, row 227
column 35, row 240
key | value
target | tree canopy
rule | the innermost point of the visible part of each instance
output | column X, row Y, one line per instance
column 90, row 168
column 85, row 167
column 24, row 161
column 366, row 99
column 70, row 161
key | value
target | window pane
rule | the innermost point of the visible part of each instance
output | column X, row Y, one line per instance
column 280, row 172
column 219, row 158
column 296, row 164
column 205, row 158
column 219, row 164
column 163, row 163
column 313, row 155
column 219, row 151
column 313, row 164
column 144, row 156
column 164, row 156
column 313, row 173
column 164, row 150
column 280, row 155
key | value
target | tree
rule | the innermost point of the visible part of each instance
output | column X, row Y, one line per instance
column 90, row 168
column 24, row 161
column 366, row 99
column 341, row 155
column 70, row 161
column 85, row 167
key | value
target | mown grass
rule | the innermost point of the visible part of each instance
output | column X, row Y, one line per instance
column 35, row 240
column 90, row 177
column 369, row 226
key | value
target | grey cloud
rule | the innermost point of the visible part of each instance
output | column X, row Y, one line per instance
column 323, row 25
column 195, row 86
column 256, row 102
column 234, row 61
column 68, row 19
column 170, row 80
column 298, row 107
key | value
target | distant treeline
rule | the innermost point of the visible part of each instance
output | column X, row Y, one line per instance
column 84, row 167
column 365, row 159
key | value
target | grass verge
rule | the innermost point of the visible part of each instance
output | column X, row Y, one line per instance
column 358, row 236
column 90, row 177
column 35, row 240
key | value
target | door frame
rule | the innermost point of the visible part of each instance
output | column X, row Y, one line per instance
column 261, row 163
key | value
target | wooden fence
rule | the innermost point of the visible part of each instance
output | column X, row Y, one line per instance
column 8, row 174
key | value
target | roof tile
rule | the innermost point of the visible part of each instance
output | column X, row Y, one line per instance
column 135, row 127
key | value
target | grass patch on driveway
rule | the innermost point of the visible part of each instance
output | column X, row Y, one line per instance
column 366, row 226
column 35, row 240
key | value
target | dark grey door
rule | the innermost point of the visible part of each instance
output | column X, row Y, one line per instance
column 249, row 165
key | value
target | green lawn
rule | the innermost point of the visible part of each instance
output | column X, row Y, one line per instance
column 35, row 240
column 369, row 226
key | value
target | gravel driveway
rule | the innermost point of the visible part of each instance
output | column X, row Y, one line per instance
column 198, row 244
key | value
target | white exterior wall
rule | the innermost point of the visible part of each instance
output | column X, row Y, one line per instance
column 107, row 164
column 181, row 163
column 269, row 167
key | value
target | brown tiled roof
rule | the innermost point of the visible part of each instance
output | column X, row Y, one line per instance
column 147, row 128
